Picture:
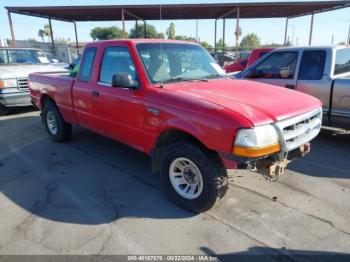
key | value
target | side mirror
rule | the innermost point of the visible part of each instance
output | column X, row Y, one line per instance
column 124, row 80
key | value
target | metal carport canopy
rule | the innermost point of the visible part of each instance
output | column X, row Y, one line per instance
column 180, row 11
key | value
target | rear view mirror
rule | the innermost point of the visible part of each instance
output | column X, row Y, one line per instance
column 124, row 80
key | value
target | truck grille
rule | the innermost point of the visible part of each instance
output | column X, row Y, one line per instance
column 22, row 83
column 298, row 130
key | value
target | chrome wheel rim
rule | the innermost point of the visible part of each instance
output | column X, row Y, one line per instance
column 186, row 178
column 51, row 123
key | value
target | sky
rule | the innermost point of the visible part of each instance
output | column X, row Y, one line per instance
column 334, row 23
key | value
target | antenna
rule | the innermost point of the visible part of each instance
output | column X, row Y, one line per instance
column 161, row 44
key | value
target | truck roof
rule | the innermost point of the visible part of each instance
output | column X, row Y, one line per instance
column 142, row 40
column 19, row 48
column 331, row 47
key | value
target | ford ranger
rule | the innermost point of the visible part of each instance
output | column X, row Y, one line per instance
column 323, row 72
column 169, row 99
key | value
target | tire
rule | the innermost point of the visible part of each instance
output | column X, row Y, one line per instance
column 57, row 128
column 3, row 110
column 212, row 173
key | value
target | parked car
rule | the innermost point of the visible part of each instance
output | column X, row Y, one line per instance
column 243, row 63
column 170, row 100
column 15, row 66
column 323, row 72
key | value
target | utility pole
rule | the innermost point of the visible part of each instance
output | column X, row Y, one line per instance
column 349, row 36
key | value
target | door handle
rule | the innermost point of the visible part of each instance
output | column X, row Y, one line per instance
column 95, row 93
column 290, row 86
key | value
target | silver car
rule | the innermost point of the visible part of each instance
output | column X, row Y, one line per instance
column 15, row 66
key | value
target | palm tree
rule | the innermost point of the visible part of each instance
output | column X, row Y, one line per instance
column 41, row 33
column 47, row 31
column 170, row 32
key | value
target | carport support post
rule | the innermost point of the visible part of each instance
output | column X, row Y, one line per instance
column 215, row 35
column 144, row 29
column 237, row 32
column 11, row 29
column 285, row 32
column 311, row 28
column 223, row 34
column 136, row 29
column 123, row 22
column 76, row 37
column 51, row 35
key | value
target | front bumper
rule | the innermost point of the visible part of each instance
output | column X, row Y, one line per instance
column 15, row 99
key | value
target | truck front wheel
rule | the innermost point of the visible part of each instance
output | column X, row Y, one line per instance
column 58, row 129
column 193, row 177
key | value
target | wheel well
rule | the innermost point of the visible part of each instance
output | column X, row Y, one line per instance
column 45, row 99
column 168, row 137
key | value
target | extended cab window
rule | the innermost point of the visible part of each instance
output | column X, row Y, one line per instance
column 87, row 64
column 277, row 65
column 342, row 61
column 312, row 65
column 116, row 60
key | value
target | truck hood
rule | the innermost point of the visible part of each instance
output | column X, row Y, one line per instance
column 23, row 70
column 259, row 103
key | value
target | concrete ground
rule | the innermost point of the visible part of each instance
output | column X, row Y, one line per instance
column 96, row 196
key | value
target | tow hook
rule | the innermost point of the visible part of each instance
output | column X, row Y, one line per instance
column 271, row 169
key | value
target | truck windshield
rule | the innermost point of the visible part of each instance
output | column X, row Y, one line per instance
column 22, row 56
column 173, row 62
column 342, row 61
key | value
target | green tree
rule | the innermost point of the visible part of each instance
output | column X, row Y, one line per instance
column 206, row 45
column 41, row 33
column 185, row 38
column 161, row 35
column 151, row 32
column 105, row 33
column 171, row 32
column 249, row 42
column 220, row 45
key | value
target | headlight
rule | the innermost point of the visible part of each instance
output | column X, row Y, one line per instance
column 5, row 83
column 256, row 141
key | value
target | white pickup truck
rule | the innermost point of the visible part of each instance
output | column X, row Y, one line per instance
column 323, row 72
column 15, row 66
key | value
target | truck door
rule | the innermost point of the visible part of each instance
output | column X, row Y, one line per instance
column 340, row 108
column 312, row 77
column 119, row 111
column 278, row 68
column 82, row 89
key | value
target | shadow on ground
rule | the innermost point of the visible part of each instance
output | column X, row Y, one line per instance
column 94, row 180
column 88, row 180
column 329, row 156
column 263, row 254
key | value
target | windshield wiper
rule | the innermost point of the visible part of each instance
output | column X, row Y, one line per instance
column 175, row 79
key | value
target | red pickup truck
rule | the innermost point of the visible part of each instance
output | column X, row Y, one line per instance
column 169, row 99
column 244, row 63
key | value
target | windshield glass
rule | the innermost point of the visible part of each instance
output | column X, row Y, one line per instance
column 342, row 61
column 22, row 56
column 168, row 62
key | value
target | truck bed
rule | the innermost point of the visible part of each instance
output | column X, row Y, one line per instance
column 56, row 85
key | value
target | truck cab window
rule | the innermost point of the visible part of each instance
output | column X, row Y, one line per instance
column 342, row 61
column 280, row 65
column 116, row 59
column 87, row 64
column 312, row 65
